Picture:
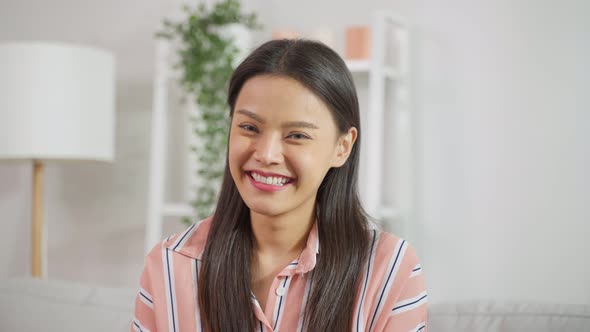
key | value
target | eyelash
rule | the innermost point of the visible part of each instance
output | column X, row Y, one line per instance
column 301, row 136
column 295, row 136
column 249, row 127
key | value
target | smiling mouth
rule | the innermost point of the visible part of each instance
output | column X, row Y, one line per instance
column 278, row 181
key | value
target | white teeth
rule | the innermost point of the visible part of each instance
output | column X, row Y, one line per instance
column 275, row 181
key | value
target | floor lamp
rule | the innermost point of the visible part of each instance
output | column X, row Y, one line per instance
column 57, row 104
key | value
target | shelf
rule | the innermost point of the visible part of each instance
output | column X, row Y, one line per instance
column 364, row 66
column 358, row 66
column 389, row 212
column 391, row 73
column 177, row 210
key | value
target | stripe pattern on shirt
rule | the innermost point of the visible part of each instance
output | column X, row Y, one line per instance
column 393, row 268
column 281, row 299
column 195, row 268
column 170, row 288
column 409, row 304
column 138, row 327
column 146, row 298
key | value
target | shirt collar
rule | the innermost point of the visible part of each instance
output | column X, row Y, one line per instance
column 192, row 241
column 307, row 259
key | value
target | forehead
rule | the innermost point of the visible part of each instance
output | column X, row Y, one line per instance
column 277, row 97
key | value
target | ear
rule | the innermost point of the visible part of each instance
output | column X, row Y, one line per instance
column 344, row 147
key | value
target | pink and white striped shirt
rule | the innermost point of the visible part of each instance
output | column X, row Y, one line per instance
column 391, row 295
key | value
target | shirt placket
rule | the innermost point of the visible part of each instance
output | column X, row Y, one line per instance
column 269, row 320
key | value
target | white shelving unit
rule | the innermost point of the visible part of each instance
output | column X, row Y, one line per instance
column 387, row 193
column 387, row 73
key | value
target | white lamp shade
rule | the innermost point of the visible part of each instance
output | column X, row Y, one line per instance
column 56, row 102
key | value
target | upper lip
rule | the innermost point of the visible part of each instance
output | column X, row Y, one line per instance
column 269, row 174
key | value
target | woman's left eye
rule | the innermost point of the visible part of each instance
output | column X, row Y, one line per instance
column 298, row 136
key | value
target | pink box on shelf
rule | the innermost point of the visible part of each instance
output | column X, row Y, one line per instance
column 358, row 42
column 284, row 34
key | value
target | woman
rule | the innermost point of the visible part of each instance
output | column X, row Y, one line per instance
column 289, row 246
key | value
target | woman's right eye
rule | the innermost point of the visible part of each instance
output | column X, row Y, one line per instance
column 249, row 127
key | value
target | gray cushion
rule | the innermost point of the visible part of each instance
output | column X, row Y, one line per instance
column 52, row 305
column 508, row 317
column 42, row 305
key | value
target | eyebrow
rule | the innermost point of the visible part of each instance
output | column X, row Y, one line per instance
column 290, row 124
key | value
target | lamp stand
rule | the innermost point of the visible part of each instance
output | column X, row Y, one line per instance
column 37, row 227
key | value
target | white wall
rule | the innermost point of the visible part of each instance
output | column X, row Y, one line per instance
column 15, row 193
column 503, row 132
column 502, row 145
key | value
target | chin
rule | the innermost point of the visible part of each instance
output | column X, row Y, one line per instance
column 264, row 209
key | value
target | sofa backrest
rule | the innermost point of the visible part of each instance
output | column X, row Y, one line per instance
column 507, row 317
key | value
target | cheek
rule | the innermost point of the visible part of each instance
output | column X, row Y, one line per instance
column 237, row 152
column 315, row 164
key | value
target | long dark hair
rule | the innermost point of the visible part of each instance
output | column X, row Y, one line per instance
column 224, row 286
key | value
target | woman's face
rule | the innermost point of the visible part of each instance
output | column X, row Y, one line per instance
column 282, row 143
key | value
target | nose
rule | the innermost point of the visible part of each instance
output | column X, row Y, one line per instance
column 269, row 149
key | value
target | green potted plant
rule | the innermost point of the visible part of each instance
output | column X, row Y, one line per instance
column 207, row 54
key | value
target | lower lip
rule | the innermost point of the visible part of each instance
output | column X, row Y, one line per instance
column 266, row 187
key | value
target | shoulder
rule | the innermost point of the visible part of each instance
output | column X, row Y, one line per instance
column 391, row 255
column 191, row 242
column 395, row 293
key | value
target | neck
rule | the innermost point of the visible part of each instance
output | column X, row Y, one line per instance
column 281, row 235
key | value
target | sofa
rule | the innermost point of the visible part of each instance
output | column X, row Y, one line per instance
column 28, row 305
column 507, row 317
column 51, row 305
